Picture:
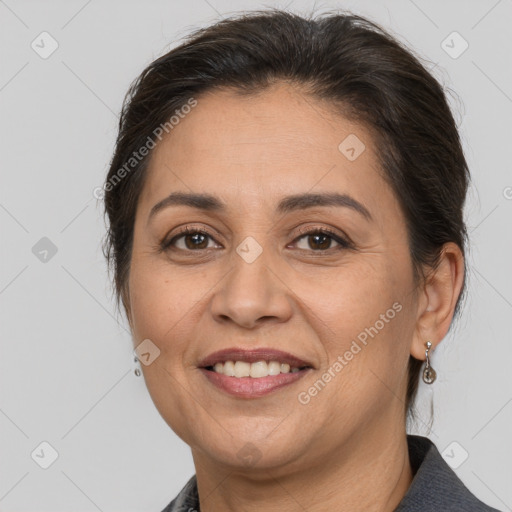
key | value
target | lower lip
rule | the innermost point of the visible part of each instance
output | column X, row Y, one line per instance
column 249, row 387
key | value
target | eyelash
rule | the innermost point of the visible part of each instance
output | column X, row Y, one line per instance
column 343, row 243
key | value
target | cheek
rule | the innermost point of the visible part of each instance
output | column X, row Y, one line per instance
column 366, row 353
column 364, row 316
column 160, row 307
column 156, row 301
column 351, row 298
column 167, row 304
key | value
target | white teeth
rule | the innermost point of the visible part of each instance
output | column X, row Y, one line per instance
column 274, row 368
column 242, row 369
column 254, row 370
column 259, row 369
column 229, row 368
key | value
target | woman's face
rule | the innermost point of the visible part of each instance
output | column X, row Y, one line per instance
column 253, row 281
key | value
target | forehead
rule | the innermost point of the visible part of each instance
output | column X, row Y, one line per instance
column 278, row 142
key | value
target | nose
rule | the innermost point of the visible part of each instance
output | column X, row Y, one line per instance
column 252, row 294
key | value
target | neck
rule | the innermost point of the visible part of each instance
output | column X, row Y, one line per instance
column 365, row 476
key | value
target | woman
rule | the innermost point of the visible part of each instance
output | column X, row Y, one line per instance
column 285, row 209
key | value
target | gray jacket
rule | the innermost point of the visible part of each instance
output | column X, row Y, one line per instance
column 434, row 488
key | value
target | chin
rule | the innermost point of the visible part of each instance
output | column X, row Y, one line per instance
column 244, row 450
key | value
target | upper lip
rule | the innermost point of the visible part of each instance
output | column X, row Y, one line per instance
column 252, row 356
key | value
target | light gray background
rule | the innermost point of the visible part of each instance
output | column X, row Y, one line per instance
column 66, row 365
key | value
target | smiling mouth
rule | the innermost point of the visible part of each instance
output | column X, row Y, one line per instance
column 255, row 370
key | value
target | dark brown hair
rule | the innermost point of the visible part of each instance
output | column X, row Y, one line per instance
column 346, row 60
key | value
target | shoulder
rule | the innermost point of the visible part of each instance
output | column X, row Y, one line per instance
column 187, row 499
column 435, row 485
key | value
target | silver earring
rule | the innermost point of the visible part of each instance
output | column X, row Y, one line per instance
column 137, row 371
column 429, row 374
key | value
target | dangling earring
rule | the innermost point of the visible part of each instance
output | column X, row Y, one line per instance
column 429, row 374
column 137, row 371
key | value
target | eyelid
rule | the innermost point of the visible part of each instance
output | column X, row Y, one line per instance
column 320, row 229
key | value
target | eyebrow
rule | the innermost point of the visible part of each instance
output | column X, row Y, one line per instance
column 208, row 202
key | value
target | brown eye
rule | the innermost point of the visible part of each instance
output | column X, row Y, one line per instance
column 321, row 240
column 189, row 240
column 195, row 241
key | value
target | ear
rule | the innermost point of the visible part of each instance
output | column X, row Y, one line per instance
column 437, row 300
